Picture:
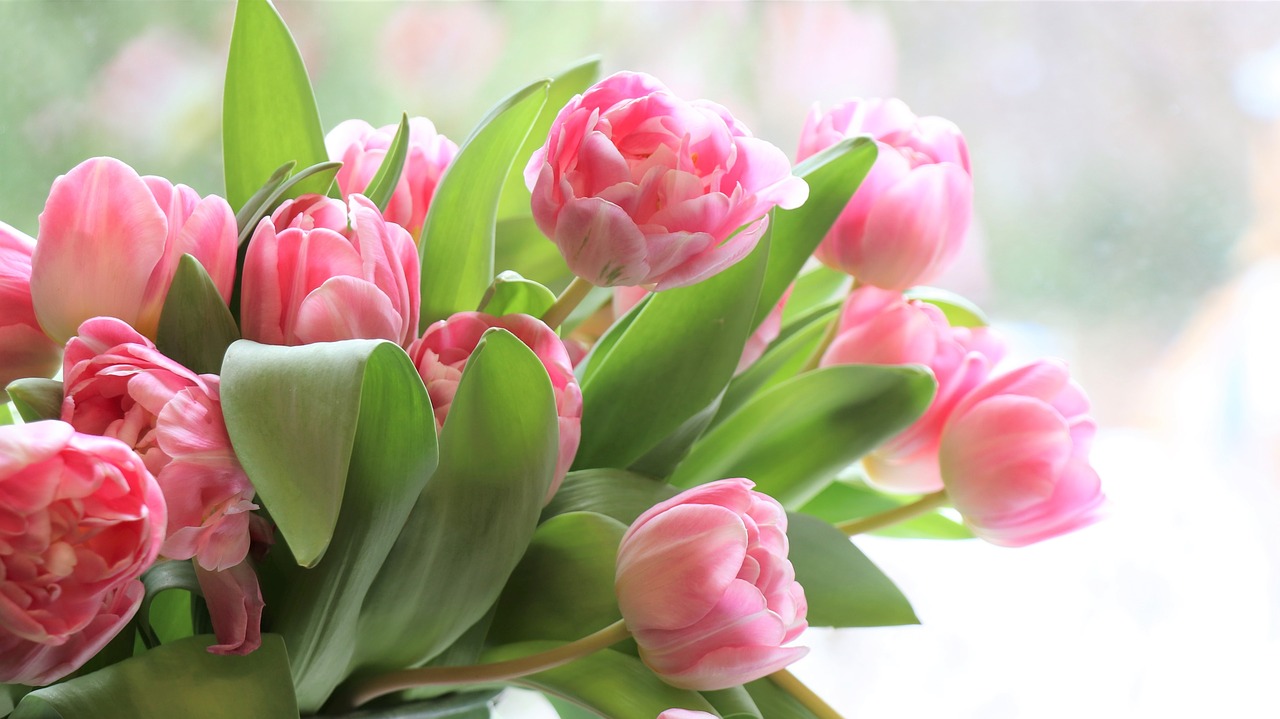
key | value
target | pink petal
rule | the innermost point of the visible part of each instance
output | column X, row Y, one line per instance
column 345, row 308
column 235, row 606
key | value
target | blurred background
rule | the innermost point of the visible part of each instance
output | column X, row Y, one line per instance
column 1127, row 168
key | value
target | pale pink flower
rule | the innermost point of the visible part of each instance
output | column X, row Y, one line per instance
column 881, row 327
column 361, row 149
column 638, row 187
column 705, row 586
column 321, row 270
column 25, row 351
column 442, row 353
column 80, row 519
column 1015, row 457
column 685, row 714
column 908, row 219
column 110, row 242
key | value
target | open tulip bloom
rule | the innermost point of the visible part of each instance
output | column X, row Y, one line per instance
column 302, row 445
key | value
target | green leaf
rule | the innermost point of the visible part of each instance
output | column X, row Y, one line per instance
column 338, row 439
column 568, row 710
column 36, row 399
column 164, row 615
column 667, row 454
column 776, row 703
column 842, row 586
column 733, row 703
column 576, row 79
column 265, row 200
column 269, row 113
column 673, row 359
column 608, row 682
column 815, row 288
column 383, row 183
column 960, row 312
column 841, row 502
column 512, row 294
column 181, row 679
column 10, row 694
column 563, row 587
column 792, row 439
column 195, row 325
column 614, row 493
column 6, row 414
column 253, row 210
column 457, row 238
column 519, row 243
column 468, row 530
column 833, row 176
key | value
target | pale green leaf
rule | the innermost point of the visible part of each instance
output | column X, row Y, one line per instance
column 196, row 328
column 842, row 586
column 36, row 399
column 512, row 294
column 960, row 311
column 383, row 184
column 614, row 493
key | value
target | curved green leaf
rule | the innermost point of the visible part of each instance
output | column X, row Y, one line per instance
column 512, row 294
column 468, row 530
column 812, row 289
column 841, row 502
column 269, row 113
column 383, row 183
column 842, row 586
column 518, row 242
column 733, row 703
column 960, row 311
column 196, row 328
column 36, row 398
column 457, row 239
column 265, row 200
column 167, row 616
column 673, row 359
column 614, row 493
column 792, row 439
column 252, row 210
column 776, row 703
column 180, row 679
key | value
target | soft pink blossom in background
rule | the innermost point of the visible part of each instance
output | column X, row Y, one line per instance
column 80, row 519
column 110, row 242
column 322, row 270
column 705, row 586
column 638, row 187
column 25, row 351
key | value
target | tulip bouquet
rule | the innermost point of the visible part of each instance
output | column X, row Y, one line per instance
column 298, row 450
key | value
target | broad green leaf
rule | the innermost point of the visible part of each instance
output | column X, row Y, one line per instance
column 733, row 703
column 563, row 587
column 468, row 530
column 196, row 328
column 457, row 238
column 573, row 81
column 338, row 439
column 610, row 683
column 181, row 679
column 607, row 341
column 776, row 703
column 673, row 359
column 614, row 493
column 812, row 289
column 10, row 694
column 833, row 176
column 842, row 586
column 792, row 439
column 469, row 705
column 667, row 454
column 166, row 615
column 519, row 243
column 269, row 113
column 841, row 502
column 383, row 184
column 512, row 294
column 960, row 311
column 36, row 399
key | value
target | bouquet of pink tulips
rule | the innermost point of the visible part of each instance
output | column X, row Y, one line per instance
column 397, row 423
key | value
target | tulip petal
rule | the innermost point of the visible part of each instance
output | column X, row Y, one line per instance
column 235, row 607
column 347, row 308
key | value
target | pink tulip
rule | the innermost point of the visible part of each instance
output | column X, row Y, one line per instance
column 880, row 327
column 908, row 219
column 706, row 589
column 80, row 519
column 624, row 298
column 638, row 187
column 320, row 270
column 25, row 351
column 360, row 148
column 1015, row 457
column 442, row 353
column 110, row 242
column 685, row 714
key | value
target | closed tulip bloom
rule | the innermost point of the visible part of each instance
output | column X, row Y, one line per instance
column 80, row 519
column 361, row 149
column 638, row 187
column 110, row 242
column 1015, row 457
column 908, row 219
column 323, row 270
column 25, row 350
column 881, row 327
column 705, row 586
column 442, row 353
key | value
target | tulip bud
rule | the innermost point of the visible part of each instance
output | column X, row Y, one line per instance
column 705, row 587
column 908, row 219
column 638, row 187
column 25, row 351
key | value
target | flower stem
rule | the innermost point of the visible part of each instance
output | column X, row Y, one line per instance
column 566, row 302
column 374, row 687
column 893, row 516
column 833, row 327
column 803, row 694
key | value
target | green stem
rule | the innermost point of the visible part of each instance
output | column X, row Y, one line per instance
column 803, row 694
column 566, row 302
column 374, row 687
column 828, row 337
column 926, row 503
